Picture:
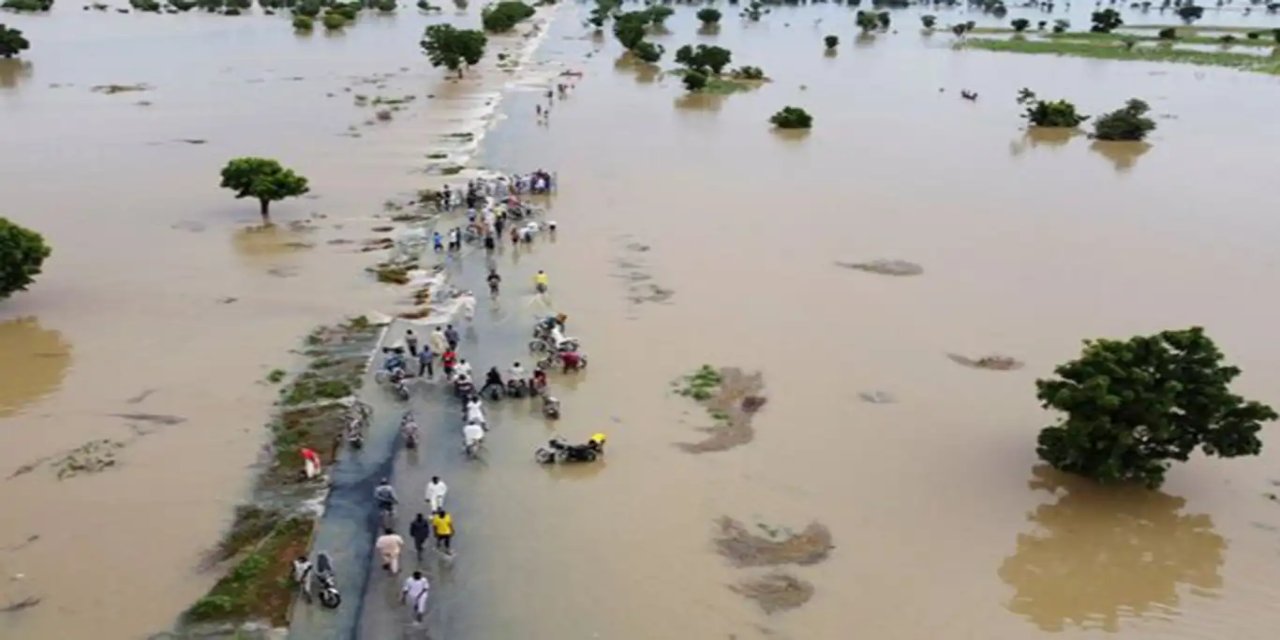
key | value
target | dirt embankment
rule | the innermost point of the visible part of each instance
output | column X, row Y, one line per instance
column 732, row 397
column 772, row 547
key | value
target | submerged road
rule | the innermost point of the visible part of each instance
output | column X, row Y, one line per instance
column 371, row 608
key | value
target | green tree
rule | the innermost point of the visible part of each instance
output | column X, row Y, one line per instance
column 658, row 14
column 867, row 21
column 694, row 80
column 1190, row 13
column 1061, row 26
column 1126, row 123
column 709, row 16
column 602, row 11
column 1168, row 33
column 1020, row 24
column 334, row 21
column 307, row 8
column 502, row 17
column 452, row 48
column 831, row 42
column 22, row 252
column 263, row 179
column 11, row 42
column 704, row 58
column 27, row 5
column 792, row 118
column 629, row 28
column 648, row 52
column 1105, row 21
column 928, row 20
column 1134, row 406
column 884, row 20
column 1049, row 113
column 302, row 23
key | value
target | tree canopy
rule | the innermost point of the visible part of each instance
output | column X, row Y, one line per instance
column 704, row 58
column 648, row 52
column 1126, row 123
column 1134, row 406
column 22, row 252
column 1049, row 113
column 867, row 21
column 263, row 179
column 504, row 16
column 12, row 42
column 709, row 15
column 27, row 5
column 792, row 118
column 1190, row 13
column 453, row 48
column 831, row 42
column 1105, row 21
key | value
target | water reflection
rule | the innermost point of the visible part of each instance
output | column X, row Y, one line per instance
column 267, row 241
column 1050, row 137
column 1101, row 554
column 35, row 362
column 699, row 101
column 13, row 71
column 1121, row 154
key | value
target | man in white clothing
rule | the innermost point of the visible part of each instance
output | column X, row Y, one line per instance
column 472, row 436
column 415, row 592
column 436, row 490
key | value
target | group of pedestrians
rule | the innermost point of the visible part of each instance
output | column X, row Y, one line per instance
column 390, row 545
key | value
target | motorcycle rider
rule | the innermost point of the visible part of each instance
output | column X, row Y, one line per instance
column 492, row 378
column 539, row 379
column 463, row 368
column 475, row 412
column 541, row 282
column 472, row 436
column 494, row 281
column 515, row 374
column 385, row 494
column 572, row 361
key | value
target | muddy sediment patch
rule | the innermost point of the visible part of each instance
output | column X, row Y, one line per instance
column 772, row 546
column 992, row 362
column 775, row 592
column 731, row 397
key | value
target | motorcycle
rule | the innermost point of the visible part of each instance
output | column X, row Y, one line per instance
column 517, row 388
column 555, row 360
column 409, row 431
column 472, row 438
column 400, row 387
column 464, row 389
column 327, row 582
column 557, row 450
column 548, row 345
column 550, row 408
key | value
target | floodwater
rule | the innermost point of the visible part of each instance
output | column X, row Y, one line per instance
column 943, row 522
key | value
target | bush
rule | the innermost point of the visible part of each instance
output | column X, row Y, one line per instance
column 1020, row 24
column 792, row 118
column 694, row 80
column 1168, row 33
column 308, row 8
column 334, row 21
column 504, row 16
column 1134, row 406
column 385, row 6
column 28, row 5
column 303, row 23
column 146, row 6
column 831, row 42
column 747, row 73
column 648, row 52
column 1105, row 21
column 629, row 28
column 1190, row 13
column 703, row 58
column 709, row 16
column 12, row 42
column 928, row 21
column 1126, row 123
column 22, row 253
column 1061, row 26
column 1044, row 113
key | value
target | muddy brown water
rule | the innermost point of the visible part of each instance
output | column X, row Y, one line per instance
column 939, row 519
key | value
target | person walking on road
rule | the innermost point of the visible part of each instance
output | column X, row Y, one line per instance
column 442, row 526
column 420, row 531
column 414, row 594
column 411, row 341
column 425, row 360
column 451, row 335
column 439, row 343
column 389, row 545
column 436, row 490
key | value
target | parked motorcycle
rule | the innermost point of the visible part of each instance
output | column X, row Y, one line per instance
column 557, row 450
column 550, row 408
column 409, row 430
column 517, row 388
column 327, row 582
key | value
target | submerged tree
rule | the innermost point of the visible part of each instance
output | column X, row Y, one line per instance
column 928, row 20
column 264, row 180
column 1046, row 113
column 1020, row 24
column 629, row 28
column 1126, row 123
column 453, row 49
column 1190, row 13
column 1134, row 406
column 709, row 16
column 12, row 42
column 503, row 16
column 792, row 118
column 867, row 21
column 831, row 42
column 704, row 58
column 647, row 52
column 694, row 80
column 1105, row 21
column 22, row 252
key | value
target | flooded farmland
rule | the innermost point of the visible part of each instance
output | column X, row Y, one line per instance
column 690, row 234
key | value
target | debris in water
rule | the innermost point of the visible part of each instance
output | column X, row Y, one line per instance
column 141, row 396
column 876, row 397
column 111, row 89
column 193, row 140
column 745, row 549
column 990, row 363
column 382, row 229
column 732, row 400
column 776, row 591
column 94, row 456
column 29, row 467
column 25, row 603
column 156, row 418
column 227, row 300
column 885, row 267
column 25, row 543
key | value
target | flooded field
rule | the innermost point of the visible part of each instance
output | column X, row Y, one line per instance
column 691, row 234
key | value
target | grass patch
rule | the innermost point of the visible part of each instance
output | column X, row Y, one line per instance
column 312, row 387
column 720, row 85
column 276, row 376
column 392, row 273
column 1106, row 50
column 701, row 384
column 1186, row 36
column 259, row 586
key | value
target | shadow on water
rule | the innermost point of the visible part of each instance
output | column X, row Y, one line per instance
column 42, row 357
column 1123, row 155
column 13, row 72
column 1101, row 554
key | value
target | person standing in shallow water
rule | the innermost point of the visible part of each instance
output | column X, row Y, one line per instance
column 411, row 341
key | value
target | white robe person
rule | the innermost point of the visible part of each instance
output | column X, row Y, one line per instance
column 436, row 492
column 472, row 435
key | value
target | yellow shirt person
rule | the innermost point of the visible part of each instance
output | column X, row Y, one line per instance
column 442, row 525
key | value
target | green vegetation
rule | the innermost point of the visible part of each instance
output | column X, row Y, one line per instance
column 867, row 21
column 1190, row 13
column 1020, row 24
column 792, row 118
column 701, row 384
column 310, row 387
column 391, row 273
column 333, row 21
column 145, row 6
column 453, row 48
column 1132, row 407
column 1061, row 26
column 276, row 376
column 1168, row 33
column 709, row 16
column 504, row 16
column 704, row 58
column 385, row 6
column 1044, row 113
column 1106, row 50
column 694, row 80
column 747, row 72
column 27, row 5
column 259, row 586
column 928, row 20
column 603, row 9
column 22, row 253
column 1126, row 123
column 12, row 42
column 648, row 52
column 630, row 28
column 1186, row 36
column 831, row 42
column 303, row 23
column 658, row 14
column 1105, row 21
column 263, row 179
